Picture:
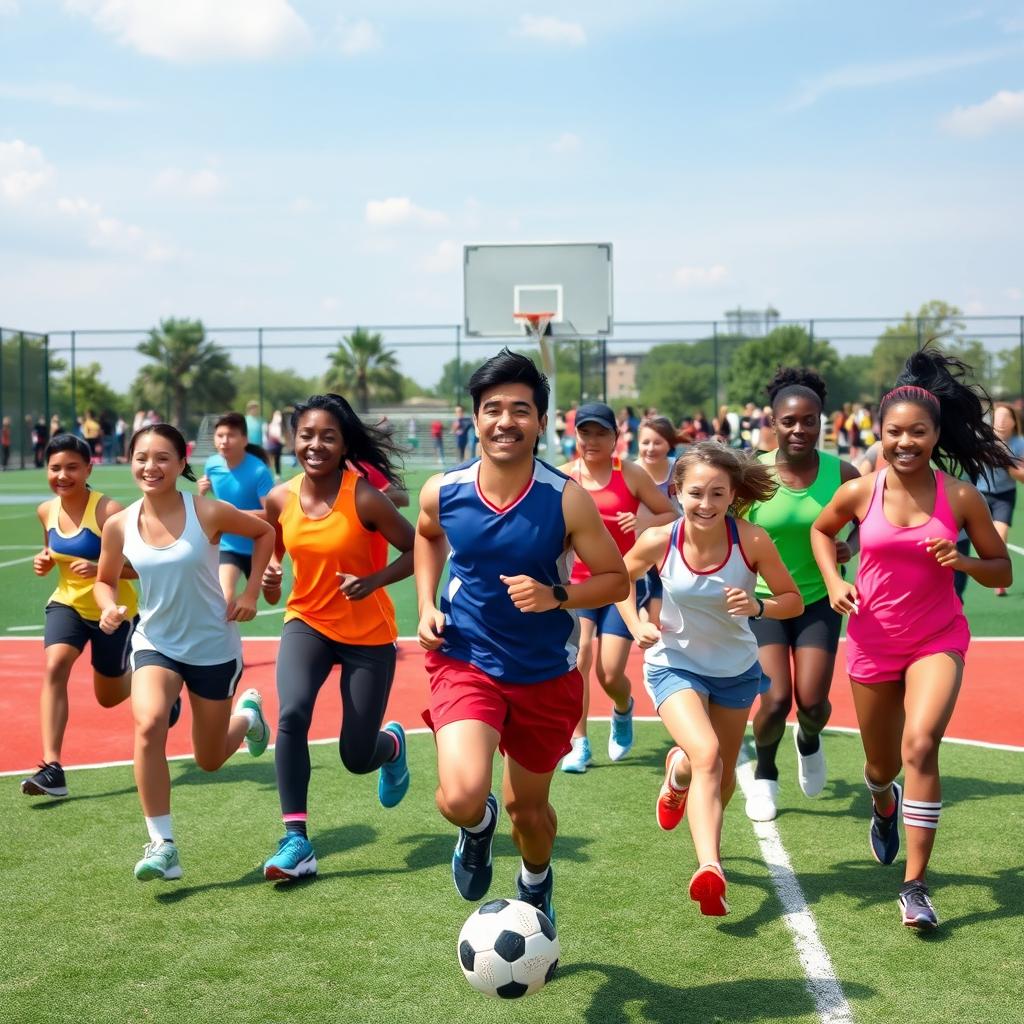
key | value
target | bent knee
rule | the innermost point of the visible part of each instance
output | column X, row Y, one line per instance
column 531, row 819
column 358, row 762
column 151, row 730
column 706, row 761
column 920, row 751
column 208, row 762
column 460, row 803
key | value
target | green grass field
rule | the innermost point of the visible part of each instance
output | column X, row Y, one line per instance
column 24, row 595
column 373, row 938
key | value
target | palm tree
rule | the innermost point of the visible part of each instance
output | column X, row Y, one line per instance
column 189, row 373
column 363, row 367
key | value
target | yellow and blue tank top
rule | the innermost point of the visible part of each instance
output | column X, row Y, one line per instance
column 72, row 590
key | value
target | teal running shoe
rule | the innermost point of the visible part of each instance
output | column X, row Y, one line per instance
column 294, row 859
column 578, row 759
column 258, row 736
column 471, row 861
column 393, row 781
column 159, row 860
column 538, row 896
column 620, row 739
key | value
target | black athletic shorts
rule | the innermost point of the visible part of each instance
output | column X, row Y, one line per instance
column 817, row 626
column 243, row 562
column 1001, row 505
column 109, row 650
column 214, row 682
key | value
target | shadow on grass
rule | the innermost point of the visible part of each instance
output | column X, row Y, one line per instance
column 73, row 798
column 871, row 885
column 748, row 999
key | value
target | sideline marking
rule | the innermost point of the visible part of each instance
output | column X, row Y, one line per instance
column 23, row 629
column 16, row 561
column 1014, row 547
column 822, row 983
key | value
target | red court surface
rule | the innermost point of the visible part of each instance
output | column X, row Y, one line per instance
column 990, row 708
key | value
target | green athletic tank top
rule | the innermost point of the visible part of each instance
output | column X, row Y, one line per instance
column 787, row 518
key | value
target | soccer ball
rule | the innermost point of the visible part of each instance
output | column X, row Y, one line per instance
column 508, row 949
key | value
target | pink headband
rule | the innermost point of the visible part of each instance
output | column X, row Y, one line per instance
column 908, row 390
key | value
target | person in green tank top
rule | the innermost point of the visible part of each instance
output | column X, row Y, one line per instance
column 798, row 654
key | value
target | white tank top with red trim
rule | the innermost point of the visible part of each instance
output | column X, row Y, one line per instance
column 697, row 632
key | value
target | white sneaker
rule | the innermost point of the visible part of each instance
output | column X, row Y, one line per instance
column 810, row 769
column 761, row 804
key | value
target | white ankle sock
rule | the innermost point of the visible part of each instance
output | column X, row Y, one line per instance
column 534, row 878
column 249, row 714
column 159, row 828
column 482, row 823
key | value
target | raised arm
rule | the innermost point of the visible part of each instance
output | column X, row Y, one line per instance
column 763, row 555
column 108, row 572
column 377, row 512
column 848, row 503
column 992, row 567
column 272, row 575
column 661, row 509
column 430, row 550
column 648, row 551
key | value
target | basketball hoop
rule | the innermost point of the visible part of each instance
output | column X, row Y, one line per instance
column 535, row 324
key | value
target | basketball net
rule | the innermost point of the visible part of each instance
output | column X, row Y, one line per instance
column 537, row 326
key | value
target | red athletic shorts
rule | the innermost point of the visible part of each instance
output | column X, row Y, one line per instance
column 535, row 720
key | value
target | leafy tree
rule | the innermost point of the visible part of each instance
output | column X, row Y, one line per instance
column 851, row 381
column 90, row 392
column 362, row 367
column 754, row 364
column 188, row 372
column 281, row 388
column 1009, row 382
column 454, row 376
column 935, row 320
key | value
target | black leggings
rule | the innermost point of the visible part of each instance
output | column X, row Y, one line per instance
column 304, row 662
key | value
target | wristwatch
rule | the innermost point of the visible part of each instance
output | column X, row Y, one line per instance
column 760, row 608
column 561, row 594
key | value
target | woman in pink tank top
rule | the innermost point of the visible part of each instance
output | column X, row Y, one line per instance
column 618, row 489
column 907, row 635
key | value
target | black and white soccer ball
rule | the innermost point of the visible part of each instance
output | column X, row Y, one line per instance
column 508, row 949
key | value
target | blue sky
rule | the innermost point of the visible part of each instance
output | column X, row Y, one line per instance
column 266, row 161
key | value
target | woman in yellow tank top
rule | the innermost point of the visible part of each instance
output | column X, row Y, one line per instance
column 336, row 527
column 72, row 525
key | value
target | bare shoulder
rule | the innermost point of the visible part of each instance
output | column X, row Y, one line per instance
column 43, row 510
column 962, row 494
column 430, row 494
column 847, row 471
column 750, row 533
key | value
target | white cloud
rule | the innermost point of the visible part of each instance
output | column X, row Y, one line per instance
column 566, row 144
column 1003, row 110
column 554, row 31
column 700, row 278
column 202, row 184
column 23, row 170
column 398, row 211
column 444, row 259
column 863, row 76
column 356, row 36
column 196, row 30
column 1014, row 294
column 111, row 234
column 60, row 94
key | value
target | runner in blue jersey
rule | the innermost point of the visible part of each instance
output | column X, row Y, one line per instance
column 502, row 646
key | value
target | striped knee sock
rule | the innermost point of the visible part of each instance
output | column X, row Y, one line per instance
column 921, row 813
column 875, row 788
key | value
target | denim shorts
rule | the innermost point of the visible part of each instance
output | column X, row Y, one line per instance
column 728, row 691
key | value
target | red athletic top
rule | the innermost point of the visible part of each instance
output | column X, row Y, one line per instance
column 613, row 498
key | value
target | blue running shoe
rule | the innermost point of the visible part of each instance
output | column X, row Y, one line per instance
column 620, row 739
column 885, row 831
column 578, row 759
column 471, row 862
column 917, row 908
column 172, row 721
column 538, row 896
column 393, row 781
column 294, row 859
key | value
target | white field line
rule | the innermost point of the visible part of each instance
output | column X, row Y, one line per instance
column 822, row 983
column 23, row 629
column 1015, row 548
column 16, row 561
column 20, row 547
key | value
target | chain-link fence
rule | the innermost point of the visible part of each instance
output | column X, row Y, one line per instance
column 417, row 373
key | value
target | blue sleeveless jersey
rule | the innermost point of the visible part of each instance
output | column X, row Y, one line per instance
column 482, row 625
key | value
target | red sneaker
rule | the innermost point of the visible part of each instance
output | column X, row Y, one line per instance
column 707, row 887
column 671, row 801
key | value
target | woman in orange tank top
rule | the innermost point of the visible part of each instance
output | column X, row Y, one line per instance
column 336, row 527
column 619, row 489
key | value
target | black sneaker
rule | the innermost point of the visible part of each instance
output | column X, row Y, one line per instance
column 917, row 908
column 471, row 861
column 175, row 714
column 884, row 833
column 48, row 781
column 538, row 896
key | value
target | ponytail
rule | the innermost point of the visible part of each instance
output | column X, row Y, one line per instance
column 937, row 383
column 751, row 480
column 363, row 443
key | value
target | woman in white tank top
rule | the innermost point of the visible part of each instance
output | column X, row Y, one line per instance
column 187, row 633
column 701, row 666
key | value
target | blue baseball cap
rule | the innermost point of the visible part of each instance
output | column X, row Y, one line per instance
column 597, row 412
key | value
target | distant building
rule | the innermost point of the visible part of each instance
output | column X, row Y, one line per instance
column 621, row 371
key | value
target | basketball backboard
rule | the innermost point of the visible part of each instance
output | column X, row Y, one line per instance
column 570, row 280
